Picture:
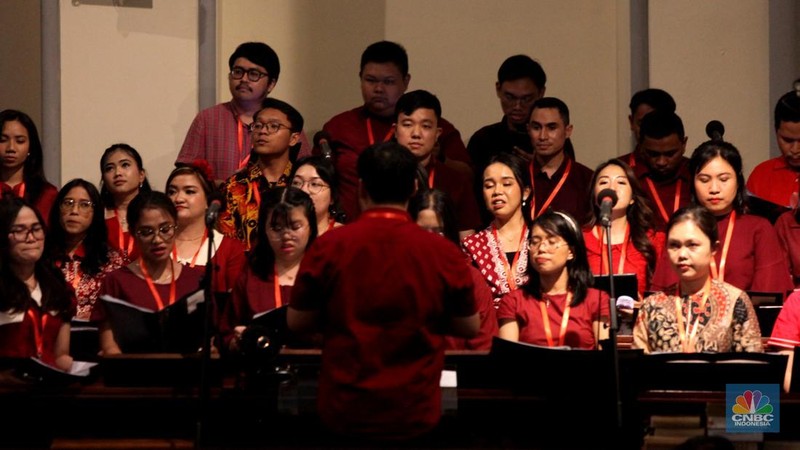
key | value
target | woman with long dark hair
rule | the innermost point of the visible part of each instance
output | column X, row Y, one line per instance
column 557, row 306
column 749, row 256
column 123, row 178
column 634, row 245
column 36, row 304
column 22, row 169
column 287, row 226
column 77, row 243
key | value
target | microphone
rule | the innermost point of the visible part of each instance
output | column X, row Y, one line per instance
column 322, row 141
column 625, row 303
column 607, row 198
column 715, row 130
column 213, row 212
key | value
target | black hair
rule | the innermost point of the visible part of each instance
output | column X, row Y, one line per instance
column 258, row 53
column 292, row 114
column 149, row 200
column 639, row 214
column 206, row 180
column 105, row 194
column 658, row 99
column 385, row 52
column 276, row 208
column 518, row 167
column 33, row 169
column 579, row 274
column 660, row 124
column 553, row 103
column 327, row 172
column 95, row 243
column 709, row 150
column 521, row 66
column 788, row 107
column 14, row 294
column 701, row 217
column 439, row 202
column 387, row 172
column 414, row 100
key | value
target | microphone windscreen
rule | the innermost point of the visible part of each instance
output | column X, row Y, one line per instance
column 609, row 194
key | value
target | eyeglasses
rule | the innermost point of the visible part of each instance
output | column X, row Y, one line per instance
column 276, row 232
column 165, row 231
column 552, row 243
column 83, row 205
column 237, row 73
column 270, row 127
column 20, row 234
column 513, row 99
column 314, row 186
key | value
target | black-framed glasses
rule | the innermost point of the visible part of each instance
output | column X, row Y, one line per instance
column 237, row 73
column 165, row 231
column 270, row 127
column 69, row 203
column 20, row 234
column 314, row 186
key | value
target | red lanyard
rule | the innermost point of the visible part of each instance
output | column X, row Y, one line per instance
column 564, row 321
column 21, row 190
column 152, row 286
column 552, row 194
column 240, row 143
column 632, row 160
column 604, row 251
column 278, row 302
column 510, row 271
column 686, row 341
column 371, row 136
column 331, row 223
column 126, row 245
column 38, row 330
column 194, row 258
column 431, row 174
column 657, row 198
column 725, row 247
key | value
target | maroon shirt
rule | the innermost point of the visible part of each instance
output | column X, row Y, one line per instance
column 665, row 188
column 754, row 261
column 788, row 230
column 524, row 308
column 349, row 137
column 385, row 289
column 455, row 179
column 17, row 338
column 488, row 315
column 573, row 196
column 43, row 204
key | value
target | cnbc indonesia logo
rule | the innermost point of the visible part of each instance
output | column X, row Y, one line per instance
column 751, row 410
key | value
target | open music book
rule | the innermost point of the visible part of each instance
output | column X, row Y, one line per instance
column 178, row 328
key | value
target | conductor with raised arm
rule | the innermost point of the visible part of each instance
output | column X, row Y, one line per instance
column 383, row 292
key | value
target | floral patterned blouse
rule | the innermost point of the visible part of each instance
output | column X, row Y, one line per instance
column 243, row 192
column 724, row 323
column 87, row 286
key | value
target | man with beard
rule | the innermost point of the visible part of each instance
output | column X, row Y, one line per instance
column 664, row 172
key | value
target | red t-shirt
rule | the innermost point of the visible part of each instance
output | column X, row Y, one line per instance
column 573, row 196
column 634, row 261
column 385, row 290
column 522, row 307
column 774, row 181
column 786, row 332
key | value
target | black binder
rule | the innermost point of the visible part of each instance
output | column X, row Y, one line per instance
column 178, row 328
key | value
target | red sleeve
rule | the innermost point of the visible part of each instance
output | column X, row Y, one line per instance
column 46, row 201
column 307, row 293
column 786, row 332
column 483, row 297
column 194, row 144
column 233, row 264
column 232, row 314
column 507, row 308
column 770, row 273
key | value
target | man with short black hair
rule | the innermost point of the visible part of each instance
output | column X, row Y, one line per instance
column 642, row 103
column 384, row 78
column 383, row 291
column 662, row 170
column 220, row 134
column 417, row 128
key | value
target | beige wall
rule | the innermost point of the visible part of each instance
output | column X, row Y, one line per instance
column 128, row 75
column 21, row 75
column 714, row 59
column 454, row 55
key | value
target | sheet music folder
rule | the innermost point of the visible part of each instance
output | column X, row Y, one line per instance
column 158, row 370
column 709, row 371
column 178, row 328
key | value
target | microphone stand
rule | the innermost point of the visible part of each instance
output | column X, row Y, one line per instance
column 612, row 332
column 205, row 360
